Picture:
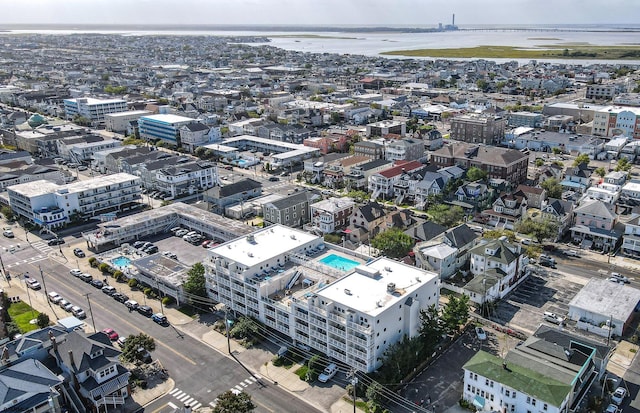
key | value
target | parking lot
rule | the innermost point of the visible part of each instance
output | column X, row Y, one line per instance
column 544, row 290
column 187, row 253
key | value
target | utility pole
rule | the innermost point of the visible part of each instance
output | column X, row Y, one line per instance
column 26, row 275
column 44, row 284
column 354, row 384
column 226, row 326
column 4, row 272
column 159, row 292
column 93, row 321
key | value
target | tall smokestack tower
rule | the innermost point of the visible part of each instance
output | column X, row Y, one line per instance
column 453, row 20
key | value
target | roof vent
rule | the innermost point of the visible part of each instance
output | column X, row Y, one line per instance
column 347, row 291
column 387, row 269
column 391, row 287
column 250, row 254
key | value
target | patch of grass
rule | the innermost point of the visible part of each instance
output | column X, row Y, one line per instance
column 21, row 314
column 282, row 362
column 302, row 372
column 556, row 51
column 360, row 404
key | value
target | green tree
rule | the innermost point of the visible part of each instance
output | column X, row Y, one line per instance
column 81, row 120
column 196, row 283
column 244, row 327
column 133, row 343
column 455, row 313
column 446, row 215
column 476, row 174
column 623, row 165
column 393, row 243
column 497, row 233
column 583, row 158
column 540, row 230
column 229, row 402
column 42, row 320
column 7, row 212
column 600, row 172
column 553, row 188
column 556, row 150
column 430, row 327
column 539, row 162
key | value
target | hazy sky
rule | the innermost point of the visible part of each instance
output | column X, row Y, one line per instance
column 341, row 12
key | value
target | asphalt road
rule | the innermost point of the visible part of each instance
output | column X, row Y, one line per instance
column 200, row 372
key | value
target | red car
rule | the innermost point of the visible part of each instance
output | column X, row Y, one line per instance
column 113, row 336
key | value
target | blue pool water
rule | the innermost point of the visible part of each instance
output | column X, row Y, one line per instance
column 339, row 263
column 121, row 261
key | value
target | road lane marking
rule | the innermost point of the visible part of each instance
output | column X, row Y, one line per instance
column 197, row 406
column 175, row 390
column 173, row 406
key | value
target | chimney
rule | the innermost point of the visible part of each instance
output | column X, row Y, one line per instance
column 54, row 343
column 72, row 360
column 5, row 355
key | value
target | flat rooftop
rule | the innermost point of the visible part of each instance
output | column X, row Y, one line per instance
column 168, row 118
column 168, row 271
column 99, row 181
column 263, row 245
column 35, row 188
column 608, row 299
column 94, row 101
column 128, row 113
column 369, row 294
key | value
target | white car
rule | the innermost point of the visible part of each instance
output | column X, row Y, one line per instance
column 618, row 396
column 620, row 277
column 612, row 408
column 553, row 318
column 75, row 272
column 33, row 284
column 328, row 373
column 481, row 334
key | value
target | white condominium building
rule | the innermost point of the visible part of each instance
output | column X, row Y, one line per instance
column 51, row 205
column 93, row 109
column 346, row 306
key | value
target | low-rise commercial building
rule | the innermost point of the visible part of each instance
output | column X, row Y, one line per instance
column 93, row 109
column 121, row 121
column 165, row 127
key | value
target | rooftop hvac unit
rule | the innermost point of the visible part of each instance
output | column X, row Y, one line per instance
column 391, row 287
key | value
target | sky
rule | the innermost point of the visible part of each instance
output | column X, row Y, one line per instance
column 319, row 12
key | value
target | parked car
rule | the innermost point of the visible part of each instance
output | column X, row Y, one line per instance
column 75, row 272
column 612, row 408
column 151, row 250
column 109, row 290
column 138, row 244
column 145, row 310
column 8, row 233
column 618, row 395
column 181, row 233
column 328, row 373
column 615, row 280
column 553, row 318
column 86, row 277
column 159, row 318
column 132, row 305
column 121, row 341
column 110, row 332
column 170, row 254
column 119, row 297
column 78, row 253
column 55, row 241
column 33, row 284
column 66, row 305
column 481, row 334
column 143, row 355
column 96, row 283
column 620, row 277
column 572, row 253
column 78, row 312
column 175, row 229
column 54, row 297
column 274, row 178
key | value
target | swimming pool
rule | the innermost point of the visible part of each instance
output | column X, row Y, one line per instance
column 339, row 263
column 121, row 261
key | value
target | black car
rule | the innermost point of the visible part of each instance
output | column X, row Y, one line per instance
column 119, row 297
column 145, row 310
column 78, row 253
column 55, row 241
column 97, row 283
column 152, row 249
column 138, row 244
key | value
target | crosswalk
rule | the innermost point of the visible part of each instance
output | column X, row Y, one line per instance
column 32, row 259
column 185, row 398
column 42, row 246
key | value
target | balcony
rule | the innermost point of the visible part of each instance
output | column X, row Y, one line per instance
column 337, row 318
column 337, row 344
column 336, row 331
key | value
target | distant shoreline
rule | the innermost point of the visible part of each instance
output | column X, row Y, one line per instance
column 559, row 51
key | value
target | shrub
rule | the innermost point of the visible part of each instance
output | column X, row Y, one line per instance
column 118, row 275
column 133, row 283
column 93, row 262
column 104, row 267
column 43, row 320
column 148, row 291
column 168, row 300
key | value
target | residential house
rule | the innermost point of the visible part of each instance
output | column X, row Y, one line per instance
column 195, row 134
column 577, row 179
column 94, row 369
column 381, row 183
column 29, row 386
column 535, row 196
column 432, row 184
column 358, row 176
column 474, row 196
column 219, row 197
column 559, row 211
column 292, row 211
column 631, row 238
column 366, row 222
column 500, row 163
column 447, row 253
column 186, row 178
column 386, row 127
column 370, row 149
column 330, row 215
column 425, row 231
column 507, row 211
column 595, row 226
column 498, row 267
column 407, row 149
